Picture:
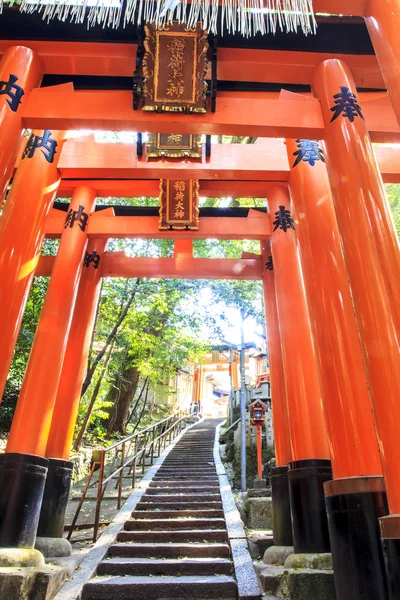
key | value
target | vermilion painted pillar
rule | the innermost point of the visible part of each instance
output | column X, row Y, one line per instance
column 22, row 229
column 76, row 353
column 356, row 497
column 282, row 522
column 382, row 19
column 30, row 427
column 20, row 71
column 310, row 466
column 55, row 499
column 372, row 259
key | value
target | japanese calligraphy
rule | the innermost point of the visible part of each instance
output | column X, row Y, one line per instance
column 76, row 216
column 176, row 83
column 92, row 258
column 174, row 138
column 346, row 105
column 179, row 187
column 283, row 219
column 36, row 141
column 308, row 151
column 13, row 91
column 269, row 265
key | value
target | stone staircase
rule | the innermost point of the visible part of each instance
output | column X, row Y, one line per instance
column 176, row 544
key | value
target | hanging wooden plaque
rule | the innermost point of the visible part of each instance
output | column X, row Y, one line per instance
column 174, row 145
column 179, row 204
column 174, row 69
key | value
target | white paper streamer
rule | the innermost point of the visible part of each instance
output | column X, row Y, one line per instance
column 245, row 17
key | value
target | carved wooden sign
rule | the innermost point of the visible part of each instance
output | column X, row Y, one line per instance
column 174, row 145
column 179, row 201
column 174, row 68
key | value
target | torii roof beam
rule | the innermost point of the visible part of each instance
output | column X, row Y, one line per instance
column 256, row 226
column 116, row 264
column 234, row 64
column 260, row 114
column 240, row 170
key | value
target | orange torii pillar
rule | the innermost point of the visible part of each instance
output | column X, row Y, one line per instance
column 28, row 436
column 20, row 71
column 382, row 19
column 371, row 253
column 282, row 521
column 356, row 498
column 310, row 466
column 22, row 229
column 55, row 498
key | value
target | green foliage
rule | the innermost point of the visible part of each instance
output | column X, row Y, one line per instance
column 393, row 195
column 22, row 350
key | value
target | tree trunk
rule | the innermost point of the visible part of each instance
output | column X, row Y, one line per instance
column 122, row 397
column 145, row 384
column 142, row 411
column 110, row 338
column 93, row 399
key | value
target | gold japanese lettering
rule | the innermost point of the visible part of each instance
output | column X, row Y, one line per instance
column 175, row 138
column 176, row 83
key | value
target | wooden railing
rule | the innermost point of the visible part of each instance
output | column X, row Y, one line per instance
column 130, row 453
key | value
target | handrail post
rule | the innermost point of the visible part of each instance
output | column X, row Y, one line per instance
column 134, row 472
column 152, row 453
column 99, row 495
column 121, row 476
column 81, row 501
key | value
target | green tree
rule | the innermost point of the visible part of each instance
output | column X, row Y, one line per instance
column 393, row 195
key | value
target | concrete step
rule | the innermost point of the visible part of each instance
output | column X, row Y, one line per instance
column 177, row 514
column 183, row 506
column 173, row 524
column 185, row 536
column 172, row 550
column 184, row 479
column 189, row 471
column 184, row 483
column 176, row 497
column 154, row 588
column 165, row 489
column 162, row 566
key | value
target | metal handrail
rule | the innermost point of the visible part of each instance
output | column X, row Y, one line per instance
column 171, row 427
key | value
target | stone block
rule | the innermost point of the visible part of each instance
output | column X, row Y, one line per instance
column 276, row 555
column 303, row 584
column 270, row 578
column 21, row 557
column 259, row 484
column 260, row 513
column 28, row 583
column 309, row 561
column 279, row 583
column 53, row 547
column 259, row 543
column 260, row 493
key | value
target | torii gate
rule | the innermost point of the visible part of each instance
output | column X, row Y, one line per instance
column 331, row 280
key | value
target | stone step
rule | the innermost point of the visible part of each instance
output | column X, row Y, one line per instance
column 189, row 471
column 176, row 514
column 172, row 550
column 178, row 505
column 154, row 588
column 178, row 536
column 184, row 479
column 184, row 483
column 173, row 524
column 176, row 496
column 200, row 457
column 162, row 566
column 172, row 489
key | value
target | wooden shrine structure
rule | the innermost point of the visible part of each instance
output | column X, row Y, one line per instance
column 329, row 254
